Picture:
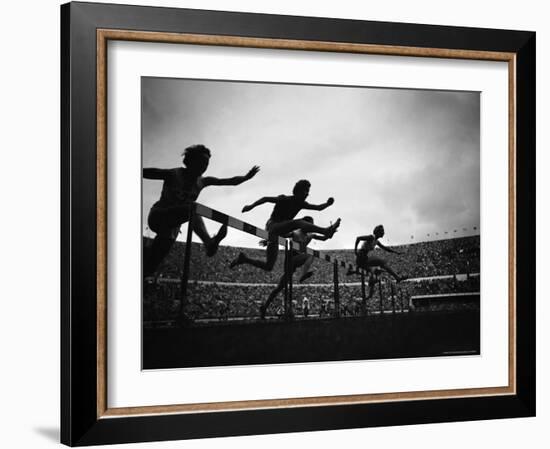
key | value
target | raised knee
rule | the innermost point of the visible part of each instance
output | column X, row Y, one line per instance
column 165, row 241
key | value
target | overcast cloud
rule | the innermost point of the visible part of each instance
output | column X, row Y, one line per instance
column 408, row 159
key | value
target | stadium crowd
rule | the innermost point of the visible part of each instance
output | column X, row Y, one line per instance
column 215, row 301
column 424, row 259
column 210, row 297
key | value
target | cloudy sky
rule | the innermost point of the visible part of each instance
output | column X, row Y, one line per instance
column 409, row 159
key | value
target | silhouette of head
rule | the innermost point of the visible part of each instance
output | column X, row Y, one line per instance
column 196, row 159
column 308, row 219
column 301, row 189
column 378, row 231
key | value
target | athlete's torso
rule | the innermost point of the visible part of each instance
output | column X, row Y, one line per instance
column 179, row 189
column 303, row 238
column 369, row 244
column 286, row 208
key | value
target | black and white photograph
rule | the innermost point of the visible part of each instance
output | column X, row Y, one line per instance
column 292, row 223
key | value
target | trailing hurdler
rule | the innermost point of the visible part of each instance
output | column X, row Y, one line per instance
column 299, row 258
column 365, row 261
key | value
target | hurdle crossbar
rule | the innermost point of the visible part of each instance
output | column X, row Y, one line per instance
column 220, row 217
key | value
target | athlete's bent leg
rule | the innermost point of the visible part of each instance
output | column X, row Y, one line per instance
column 159, row 250
column 285, row 227
column 379, row 262
column 272, row 252
column 211, row 244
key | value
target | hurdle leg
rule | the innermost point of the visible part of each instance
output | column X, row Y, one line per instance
column 363, row 293
column 393, row 298
column 336, row 291
column 381, row 296
column 285, row 270
column 186, row 262
column 289, row 273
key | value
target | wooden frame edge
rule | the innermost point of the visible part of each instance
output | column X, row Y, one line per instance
column 291, row 44
column 103, row 36
column 320, row 401
column 101, row 223
column 512, row 225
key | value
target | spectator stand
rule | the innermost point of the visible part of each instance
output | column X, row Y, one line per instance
column 394, row 296
column 288, row 244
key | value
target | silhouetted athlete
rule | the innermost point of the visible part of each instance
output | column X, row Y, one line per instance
column 282, row 222
column 365, row 261
column 299, row 258
column 181, row 187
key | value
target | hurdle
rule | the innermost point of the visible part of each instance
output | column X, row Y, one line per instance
column 394, row 294
column 364, row 309
column 288, row 312
column 182, row 318
column 197, row 209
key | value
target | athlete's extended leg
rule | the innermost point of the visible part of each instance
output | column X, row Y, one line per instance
column 277, row 229
column 285, row 227
column 297, row 261
column 211, row 244
column 159, row 250
column 272, row 296
column 376, row 261
column 272, row 251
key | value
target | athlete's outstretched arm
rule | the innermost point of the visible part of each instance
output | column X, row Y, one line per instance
column 265, row 199
column 323, row 206
column 385, row 248
column 155, row 173
column 234, row 181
